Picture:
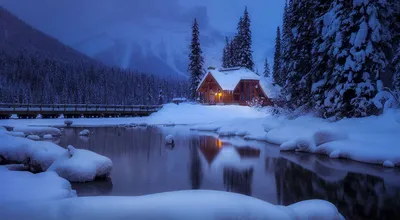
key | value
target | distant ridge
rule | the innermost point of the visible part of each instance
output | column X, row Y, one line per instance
column 18, row 37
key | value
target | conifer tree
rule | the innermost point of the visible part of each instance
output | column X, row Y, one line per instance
column 245, row 55
column 286, row 39
column 226, row 54
column 196, row 60
column 278, row 78
column 267, row 70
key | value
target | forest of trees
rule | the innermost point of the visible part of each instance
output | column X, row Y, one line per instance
column 28, row 79
column 336, row 59
column 38, row 69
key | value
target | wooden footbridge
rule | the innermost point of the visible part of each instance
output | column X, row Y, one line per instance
column 75, row 110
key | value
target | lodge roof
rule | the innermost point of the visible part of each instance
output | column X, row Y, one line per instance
column 229, row 78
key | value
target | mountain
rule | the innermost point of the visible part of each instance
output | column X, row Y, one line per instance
column 18, row 37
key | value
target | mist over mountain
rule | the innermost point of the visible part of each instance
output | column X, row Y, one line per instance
column 150, row 36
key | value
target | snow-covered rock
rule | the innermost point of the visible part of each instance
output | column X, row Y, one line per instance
column 30, row 130
column 85, row 132
column 179, row 205
column 33, row 137
column 68, row 123
column 47, row 136
column 38, row 155
column 169, row 139
column 18, row 186
column 77, row 165
column 16, row 134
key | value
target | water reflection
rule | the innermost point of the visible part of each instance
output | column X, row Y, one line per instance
column 144, row 164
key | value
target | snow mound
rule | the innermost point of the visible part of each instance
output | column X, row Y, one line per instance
column 25, row 186
column 33, row 137
column 315, row 209
column 169, row 139
column 180, row 205
column 16, row 134
column 77, row 165
column 48, row 136
column 85, row 132
column 37, row 155
column 40, row 131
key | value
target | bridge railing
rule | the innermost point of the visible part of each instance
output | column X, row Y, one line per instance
column 14, row 107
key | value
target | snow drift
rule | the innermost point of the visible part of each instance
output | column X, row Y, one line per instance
column 199, row 204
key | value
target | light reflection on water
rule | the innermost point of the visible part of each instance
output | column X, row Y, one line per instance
column 143, row 164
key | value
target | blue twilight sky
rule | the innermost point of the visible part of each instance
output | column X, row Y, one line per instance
column 93, row 26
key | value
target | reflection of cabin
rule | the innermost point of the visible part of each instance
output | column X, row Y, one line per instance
column 210, row 148
column 232, row 86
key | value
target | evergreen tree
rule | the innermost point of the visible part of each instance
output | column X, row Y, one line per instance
column 396, row 75
column 244, row 42
column 298, row 55
column 226, row 54
column 267, row 70
column 360, row 54
column 278, row 78
column 286, row 39
column 196, row 60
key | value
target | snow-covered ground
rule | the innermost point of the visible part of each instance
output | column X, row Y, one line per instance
column 198, row 204
column 373, row 139
column 18, row 186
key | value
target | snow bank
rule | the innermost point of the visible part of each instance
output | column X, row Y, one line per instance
column 198, row 204
column 30, row 130
column 85, row 132
column 78, row 165
column 186, row 113
column 25, row 186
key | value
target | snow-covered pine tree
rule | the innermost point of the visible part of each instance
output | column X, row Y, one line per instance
column 361, row 60
column 396, row 75
column 245, row 54
column 226, row 54
column 196, row 60
column 277, row 59
column 286, row 39
column 267, row 70
column 322, row 50
column 298, row 55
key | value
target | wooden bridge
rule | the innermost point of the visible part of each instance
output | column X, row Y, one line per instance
column 75, row 110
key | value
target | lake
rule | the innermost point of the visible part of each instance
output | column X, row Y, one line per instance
column 144, row 164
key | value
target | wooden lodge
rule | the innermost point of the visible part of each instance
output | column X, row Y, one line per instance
column 232, row 86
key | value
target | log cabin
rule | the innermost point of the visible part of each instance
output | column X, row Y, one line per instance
column 236, row 85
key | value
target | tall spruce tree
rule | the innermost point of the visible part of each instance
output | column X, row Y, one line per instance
column 298, row 55
column 245, row 54
column 396, row 75
column 286, row 39
column 267, row 70
column 196, row 60
column 361, row 50
column 226, row 54
column 277, row 59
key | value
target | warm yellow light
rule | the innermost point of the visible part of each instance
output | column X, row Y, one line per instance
column 219, row 143
column 220, row 94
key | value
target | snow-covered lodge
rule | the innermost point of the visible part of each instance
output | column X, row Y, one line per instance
column 237, row 85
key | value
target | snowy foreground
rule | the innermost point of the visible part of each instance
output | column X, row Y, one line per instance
column 372, row 140
column 47, row 196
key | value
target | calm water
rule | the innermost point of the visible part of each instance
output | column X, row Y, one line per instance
column 143, row 164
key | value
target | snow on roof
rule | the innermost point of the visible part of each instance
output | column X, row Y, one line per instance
column 229, row 78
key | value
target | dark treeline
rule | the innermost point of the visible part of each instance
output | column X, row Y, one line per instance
column 336, row 56
column 29, row 79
